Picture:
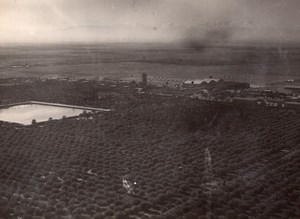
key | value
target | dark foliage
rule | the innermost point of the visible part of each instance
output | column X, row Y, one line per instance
column 75, row 168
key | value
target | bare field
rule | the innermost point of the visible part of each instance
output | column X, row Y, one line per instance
column 251, row 63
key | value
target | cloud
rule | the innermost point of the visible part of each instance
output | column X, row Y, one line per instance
column 141, row 20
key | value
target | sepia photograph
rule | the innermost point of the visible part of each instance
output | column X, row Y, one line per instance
column 151, row 109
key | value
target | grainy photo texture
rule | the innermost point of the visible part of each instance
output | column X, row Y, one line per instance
column 149, row 109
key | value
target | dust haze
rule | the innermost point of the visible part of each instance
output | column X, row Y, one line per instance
column 192, row 22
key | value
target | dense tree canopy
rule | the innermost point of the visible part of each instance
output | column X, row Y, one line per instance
column 180, row 157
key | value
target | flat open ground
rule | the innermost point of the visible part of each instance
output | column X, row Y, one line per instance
column 258, row 64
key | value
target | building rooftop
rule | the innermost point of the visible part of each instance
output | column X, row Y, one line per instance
column 201, row 81
column 245, row 98
column 292, row 87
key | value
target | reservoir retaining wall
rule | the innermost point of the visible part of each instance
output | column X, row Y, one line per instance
column 55, row 104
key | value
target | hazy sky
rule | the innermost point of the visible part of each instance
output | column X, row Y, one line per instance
column 149, row 20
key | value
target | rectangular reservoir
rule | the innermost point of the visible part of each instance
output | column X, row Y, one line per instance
column 25, row 113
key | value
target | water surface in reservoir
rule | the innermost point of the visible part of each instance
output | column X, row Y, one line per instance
column 25, row 113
